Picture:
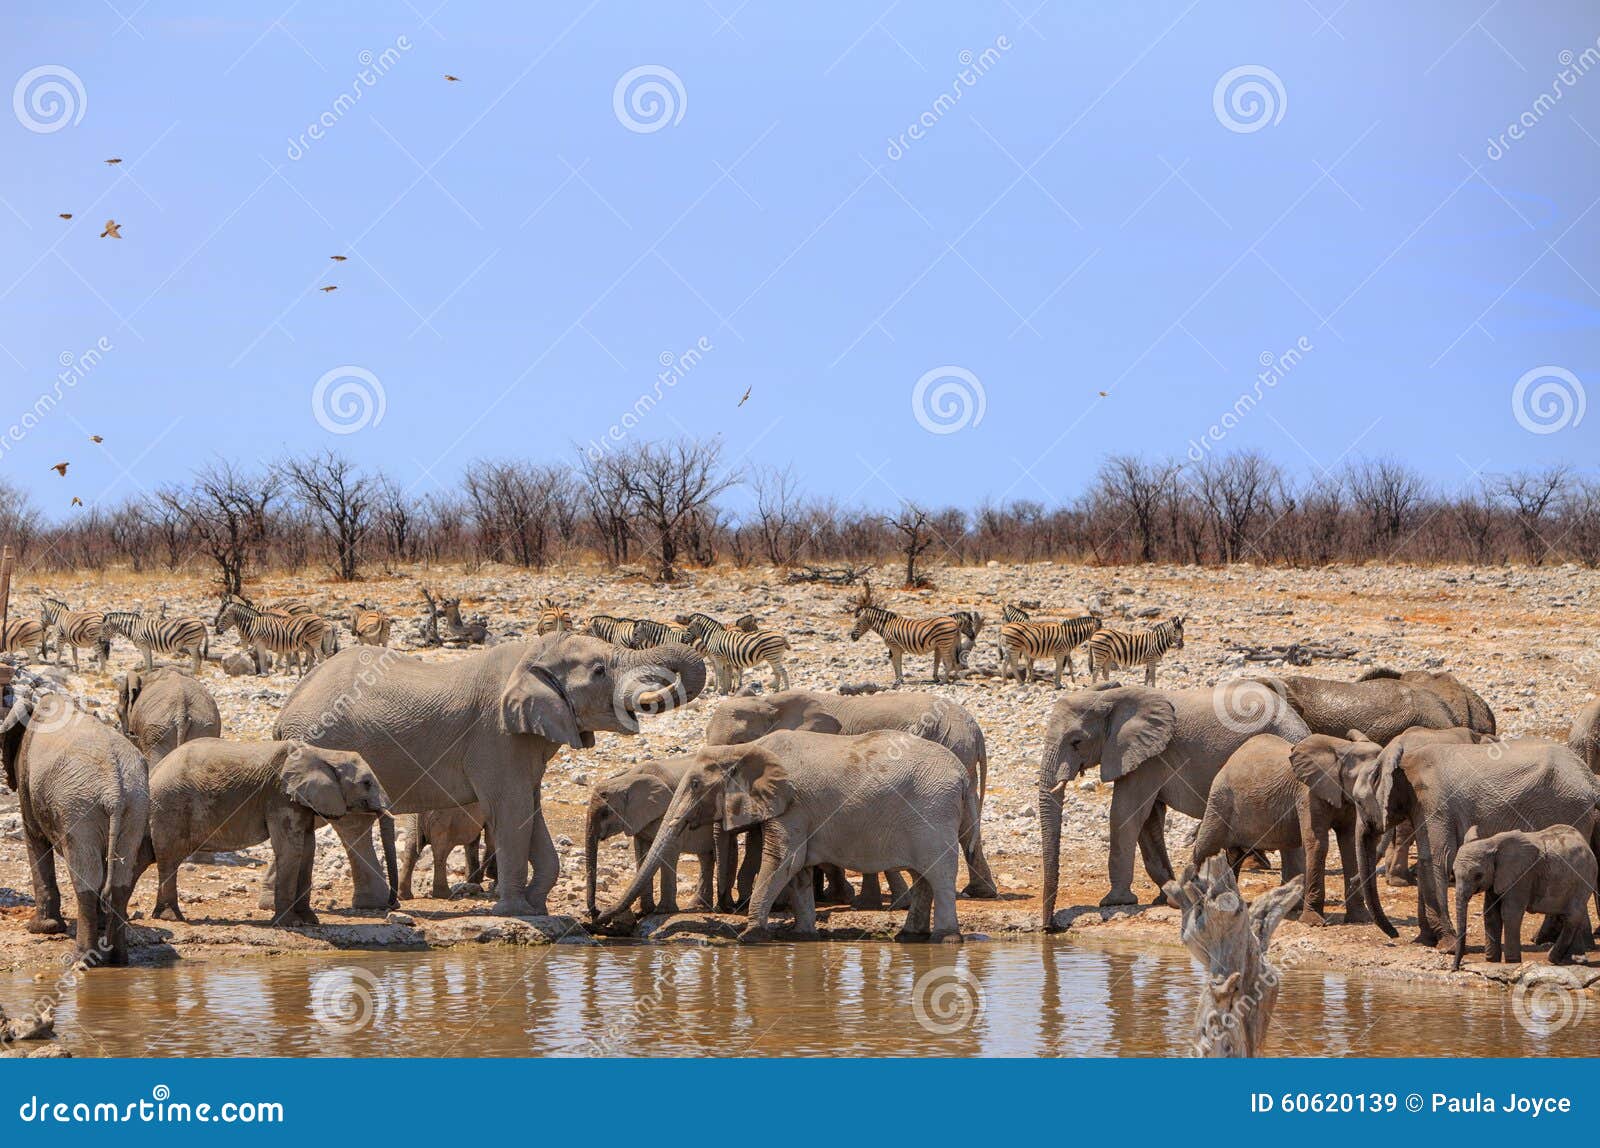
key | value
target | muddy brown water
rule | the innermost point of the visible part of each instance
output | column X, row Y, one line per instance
column 1052, row 998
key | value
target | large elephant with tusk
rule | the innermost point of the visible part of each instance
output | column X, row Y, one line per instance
column 482, row 729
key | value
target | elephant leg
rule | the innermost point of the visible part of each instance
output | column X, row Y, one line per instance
column 980, row 878
column 780, row 862
column 371, row 886
column 871, row 896
column 1397, row 862
column 1432, row 891
column 474, row 865
column 1153, row 849
column 939, row 879
column 744, row 887
column 802, row 897
column 1356, row 911
column 302, row 884
column 1512, row 909
column 546, row 861
column 1130, row 808
column 1493, row 927
column 46, row 892
column 1549, row 929
column 167, row 890
column 647, row 899
column 1236, row 857
column 269, row 879
column 704, row 898
column 899, row 889
column 115, row 922
column 441, row 871
column 289, row 838
column 507, row 802
column 91, row 922
column 668, row 902
column 1314, row 902
column 725, row 851
column 919, row 910
column 408, row 864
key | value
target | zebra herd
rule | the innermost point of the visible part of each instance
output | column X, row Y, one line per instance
column 731, row 650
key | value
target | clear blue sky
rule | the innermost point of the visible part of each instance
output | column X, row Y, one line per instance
column 1082, row 219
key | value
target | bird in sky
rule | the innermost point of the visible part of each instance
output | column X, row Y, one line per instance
column 338, row 258
column 61, row 468
column 96, row 438
column 115, row 159
column 113, row 230
column 1105, row 394
column 745, row 399
column 452, row 79
column 76, row 501
column 66, row 215
column 329, row 287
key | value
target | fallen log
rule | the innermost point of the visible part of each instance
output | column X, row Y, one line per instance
column 830, row 575
column 1296, row 653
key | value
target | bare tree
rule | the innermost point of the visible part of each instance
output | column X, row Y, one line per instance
column 1135, row 489
column 1531, row 495
column 1236, row 490
column 1388, row 493
column 340, row 501
column 1582, row 516
column 226, row 509
column 916, row 535
column 777, row 513
column 518, row 508
column 20, row 520
column 1474, row 514
column 670, row 482
column 608, row 501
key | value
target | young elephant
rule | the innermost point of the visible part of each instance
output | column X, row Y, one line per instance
column 1549, row 870
column 634, row 802
column 161, row 709
column 440, row 830
column 869, row 802
column 83, row 794
column 1274, row 795
column 216, row 795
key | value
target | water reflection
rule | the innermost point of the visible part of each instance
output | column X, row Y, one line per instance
column 1052, row 998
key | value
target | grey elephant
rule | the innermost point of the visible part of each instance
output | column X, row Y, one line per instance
column 1382, row 708
column 1447, row 789
column 482, row 728
column 927, row 715
column 1273, row 795
column 161, row 709
column 1468, row 710
column 1397, row 865
column 440, row 831
column 213, row 796
column 1550, row 870
column 1160, row 748
column 1584, row 738
column 83, row 793
column 869, row 802
column 633, row 802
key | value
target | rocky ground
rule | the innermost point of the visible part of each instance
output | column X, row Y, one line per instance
column 1528, row 640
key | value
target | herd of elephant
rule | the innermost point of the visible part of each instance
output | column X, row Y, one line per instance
column 808, row 784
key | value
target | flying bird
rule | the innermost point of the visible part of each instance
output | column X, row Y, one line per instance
column 338, row 258
column 113, row 230
column 1105, row 394
column 115, row 159
column 66, row 215
column 96, row 438
column 328, row 288
column 76, row 501
column 61, row 468
column 452, row 79
column 745, row 399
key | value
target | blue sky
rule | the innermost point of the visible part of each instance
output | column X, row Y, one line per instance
column 1094, row 213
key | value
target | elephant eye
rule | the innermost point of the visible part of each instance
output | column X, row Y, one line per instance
column 600, row 670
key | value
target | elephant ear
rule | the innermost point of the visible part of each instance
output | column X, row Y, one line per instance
column 642, row 801
column 1139, row 727
column 311, row 781
column 533, row 703
column 755, row 788
column 1315, row 764
column 1514, row 858
column 817, row 720
column 1388, row 766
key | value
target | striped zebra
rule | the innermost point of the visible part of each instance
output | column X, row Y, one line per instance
column 368, row 626
column 297, row 636
column 734, row 651
column 552, row 618
column 617, row 631
column 648, row 634
column 1111, row 649
column 23, row 634
column 1022, row 642
column 971, row 622
column 184, row 636
column 75, row 628
column 299, row 607
column 909, row 636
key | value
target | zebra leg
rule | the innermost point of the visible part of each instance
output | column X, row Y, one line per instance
column 1058, row 673
column 149, row 659
column 894, row 656
column 1071, row 673
column 1150, row 674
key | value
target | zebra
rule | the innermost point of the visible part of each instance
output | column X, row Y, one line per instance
column 292, row 635
column 299, row 607
column 1111, row 649
column 1022, row 642
column 75, row 628
column 734, row 651
column 552, row 618
column 971, row 622
column 368, row 626
column 617, row 631
column 908, row 636
column 647, row 633
column 23, row 634
column 149, row 635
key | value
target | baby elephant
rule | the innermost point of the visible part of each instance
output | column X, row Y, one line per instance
column 215, row 795
column 440, row 830
column 633, row 802
column 1546, row 871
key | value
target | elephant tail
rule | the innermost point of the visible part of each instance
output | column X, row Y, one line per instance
column 114, row 832
column 971, row 821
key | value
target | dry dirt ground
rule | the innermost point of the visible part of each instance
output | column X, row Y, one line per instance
column 1528, row 640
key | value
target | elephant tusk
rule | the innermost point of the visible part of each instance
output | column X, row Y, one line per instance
column 652, row 698
column 1059, row 789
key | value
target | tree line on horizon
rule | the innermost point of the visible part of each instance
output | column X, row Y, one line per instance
column 672, row 505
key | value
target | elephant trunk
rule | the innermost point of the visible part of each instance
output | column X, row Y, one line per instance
column 1463, row 899
column 386, row 835
column 591, row 855
column 682, row 673
column 1050, row 813
column 1367, row 879
column 665, row 845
